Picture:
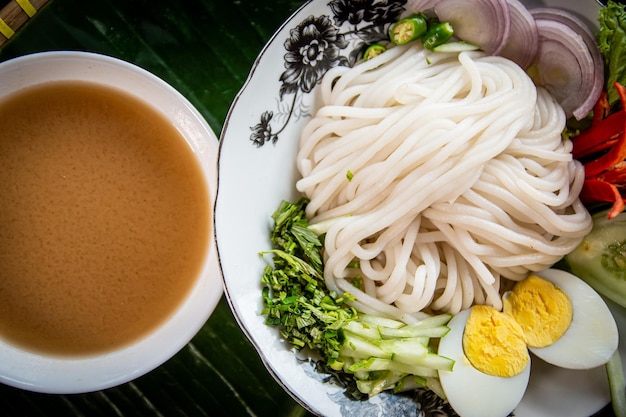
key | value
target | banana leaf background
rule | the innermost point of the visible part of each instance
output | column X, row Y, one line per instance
column 205, row 49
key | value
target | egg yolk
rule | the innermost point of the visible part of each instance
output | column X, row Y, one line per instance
column 543, row 311
column 494, row 343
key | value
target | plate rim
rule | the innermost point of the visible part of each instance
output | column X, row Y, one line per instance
column 291, row 20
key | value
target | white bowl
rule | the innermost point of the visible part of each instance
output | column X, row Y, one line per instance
column 256, row 170
column 37, row 372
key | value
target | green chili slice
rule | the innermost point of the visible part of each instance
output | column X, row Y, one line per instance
column 437, row 34
column 408, row 29
column 373, row 50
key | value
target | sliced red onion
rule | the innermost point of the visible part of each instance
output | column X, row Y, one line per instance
column 581, row 28
column 523, row 44
column 417, row 6
column 486, row 23
column 565, row 66
column 566, row 17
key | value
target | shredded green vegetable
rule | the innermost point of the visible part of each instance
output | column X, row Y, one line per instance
column 612, row 44
column 294, row 293
column 379, row 353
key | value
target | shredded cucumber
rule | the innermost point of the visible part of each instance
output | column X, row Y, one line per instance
column 617, row 385
column 600, row 260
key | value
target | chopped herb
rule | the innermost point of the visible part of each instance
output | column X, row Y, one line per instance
column 294, row 292
column 379, row 353
column 612, row 44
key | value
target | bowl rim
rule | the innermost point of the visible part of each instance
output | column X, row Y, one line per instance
column 59, row 375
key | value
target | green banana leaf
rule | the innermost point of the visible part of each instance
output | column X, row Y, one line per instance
column 205, row 49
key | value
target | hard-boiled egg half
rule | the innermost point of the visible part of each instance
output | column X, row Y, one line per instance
column 554, row 314
column 588, row 341
column 473, row 393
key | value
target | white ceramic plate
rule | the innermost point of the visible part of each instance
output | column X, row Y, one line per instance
column 256, row 170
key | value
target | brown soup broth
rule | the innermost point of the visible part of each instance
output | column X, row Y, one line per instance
column 104, row 218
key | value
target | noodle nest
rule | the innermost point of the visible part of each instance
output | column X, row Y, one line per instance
column 444, row 175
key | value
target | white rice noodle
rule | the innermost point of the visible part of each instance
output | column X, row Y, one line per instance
column 461, row 180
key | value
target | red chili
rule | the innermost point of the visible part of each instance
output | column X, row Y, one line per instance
column 598, row 191
column 617, row 153
column 602, row 108
column 615, row 175
column 601, row 135
column 605, row 176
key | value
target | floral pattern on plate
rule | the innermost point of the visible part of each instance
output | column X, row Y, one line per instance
column 319, row 43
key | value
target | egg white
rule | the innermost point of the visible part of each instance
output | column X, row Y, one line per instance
column 592, row 336
column 473, row 393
